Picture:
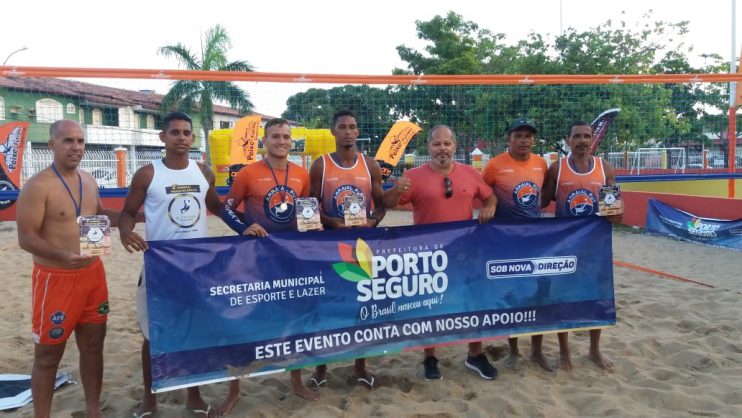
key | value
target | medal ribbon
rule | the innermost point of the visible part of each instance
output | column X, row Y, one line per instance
column 285, row 183
column 64, row 183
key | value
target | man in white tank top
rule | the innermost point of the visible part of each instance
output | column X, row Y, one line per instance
column 175, row 192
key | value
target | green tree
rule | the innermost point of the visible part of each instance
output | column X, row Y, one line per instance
column 314, row 109
column 650, row 112
column 200, row 95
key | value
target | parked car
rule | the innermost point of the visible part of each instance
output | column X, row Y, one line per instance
column 106, row 177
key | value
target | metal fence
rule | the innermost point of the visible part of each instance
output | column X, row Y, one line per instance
column 100, row 163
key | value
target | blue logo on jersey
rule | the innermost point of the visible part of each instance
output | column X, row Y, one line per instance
column 58, row 317
column 581, row 202
column 525, row 194
column 338, row 197
column 278, row 204
column 56, row 332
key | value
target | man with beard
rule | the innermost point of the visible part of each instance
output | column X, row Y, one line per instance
column 574, row 182
column 334, row 177
column 443, row 191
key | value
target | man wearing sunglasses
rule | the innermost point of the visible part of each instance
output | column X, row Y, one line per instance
column 517, row 177
column 443, row 191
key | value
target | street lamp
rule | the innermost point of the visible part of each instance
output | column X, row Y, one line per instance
column 11, row 54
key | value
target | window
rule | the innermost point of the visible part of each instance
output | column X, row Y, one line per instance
column 127, row 118
column 224, row 124
column 81, row 117
column 71, row 108
column 97, row 117
column 2, row 108
column 48, row 110
column 150, row 122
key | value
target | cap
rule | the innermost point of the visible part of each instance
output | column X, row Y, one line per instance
column 522, row 123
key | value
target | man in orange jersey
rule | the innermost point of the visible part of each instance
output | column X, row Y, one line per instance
column 335, row 176
column 69, row 289
column 268, row 189
column 574, row 182
column 517, row 176
column 443, row 191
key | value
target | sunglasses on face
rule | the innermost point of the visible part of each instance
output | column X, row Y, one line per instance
column 448, row 185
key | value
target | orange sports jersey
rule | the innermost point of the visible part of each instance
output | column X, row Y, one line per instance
column 338, row 182
column 577, row 194
column 263, row 194
column 517, row 185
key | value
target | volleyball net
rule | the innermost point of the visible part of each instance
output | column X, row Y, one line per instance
column 671, row 123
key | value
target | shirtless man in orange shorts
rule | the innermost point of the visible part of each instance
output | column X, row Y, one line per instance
column 69, row 289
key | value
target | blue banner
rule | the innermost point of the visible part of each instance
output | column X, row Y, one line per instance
column 663, row 219
column 238, row 306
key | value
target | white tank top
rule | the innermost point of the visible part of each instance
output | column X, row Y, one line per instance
column 175, row 206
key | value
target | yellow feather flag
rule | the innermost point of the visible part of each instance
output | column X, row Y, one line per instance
column 364, row 256
column 393, row 146
column 244, row 145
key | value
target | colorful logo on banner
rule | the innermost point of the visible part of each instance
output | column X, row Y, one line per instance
column 387, row 290
column 12, row 144
column 697, row 227
column 395, row 275
column 663, row 219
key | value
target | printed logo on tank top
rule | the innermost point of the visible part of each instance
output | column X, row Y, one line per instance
column 525, row 194
column 278, row 204
column 338, row 197
column 184, row 209
column 581, row 202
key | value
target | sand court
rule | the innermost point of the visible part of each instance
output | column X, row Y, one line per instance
column 677, row 350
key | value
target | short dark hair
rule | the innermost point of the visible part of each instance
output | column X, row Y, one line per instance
column 342, row 113
column 175, row 116
column 274, row 122
column 577, row 123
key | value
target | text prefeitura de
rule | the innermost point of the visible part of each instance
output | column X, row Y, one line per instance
column 231, row 289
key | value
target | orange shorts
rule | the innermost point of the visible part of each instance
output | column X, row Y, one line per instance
column 62, row 299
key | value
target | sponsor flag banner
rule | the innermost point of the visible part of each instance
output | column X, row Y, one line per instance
column 600, row 126
column 244, row 146
column 663, row 219
column 12, row 144
column 220, row 308
column 393, row 146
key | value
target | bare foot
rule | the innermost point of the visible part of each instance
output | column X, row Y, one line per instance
column 513, row 361
column 601, row 361
column 565, row 363
column 227, row 405
column 302, row 392
column 539, row 358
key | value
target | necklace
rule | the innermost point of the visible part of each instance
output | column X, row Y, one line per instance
column 283, row 206
column 64, row 183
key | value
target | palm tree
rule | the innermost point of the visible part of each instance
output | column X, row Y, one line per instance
column 199, row 95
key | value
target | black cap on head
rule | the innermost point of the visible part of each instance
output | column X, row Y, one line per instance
column 522, row 123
